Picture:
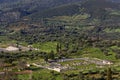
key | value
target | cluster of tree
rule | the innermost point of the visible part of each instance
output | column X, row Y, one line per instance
column 10, row 57
column 108, row 75
column 71, row 39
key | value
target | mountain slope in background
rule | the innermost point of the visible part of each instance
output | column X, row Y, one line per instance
column 14, row 10
column 117, row 1
column 41, row 20
column 26, row 7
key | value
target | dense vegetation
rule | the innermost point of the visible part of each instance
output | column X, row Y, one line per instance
column 60, row 29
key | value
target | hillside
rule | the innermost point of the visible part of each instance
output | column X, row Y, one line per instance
column 88, row 18
column 60, row 39
column 14, row 10
column 27, row 7
column 70, row 13
column 117, row 1
column 73, row 23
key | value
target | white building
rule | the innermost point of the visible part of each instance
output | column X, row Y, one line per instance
column 11, row 48
column 107, row 62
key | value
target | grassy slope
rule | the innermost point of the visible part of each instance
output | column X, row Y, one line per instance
column 97, row 53
column 46, row 47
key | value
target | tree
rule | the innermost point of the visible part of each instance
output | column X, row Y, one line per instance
column 65, row 77
column 109, row 74
column 60, row 47
column 57, row 48
column 52, row 55
column 80, row 76
column 53, row 75
column 2, row 64
column 22, row 65
column 46, row 58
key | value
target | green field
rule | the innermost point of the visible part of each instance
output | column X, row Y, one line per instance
column 46, row 47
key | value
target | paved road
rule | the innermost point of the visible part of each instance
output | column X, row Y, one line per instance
column 2, row 49
column 63, row 60
column 91, row 60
